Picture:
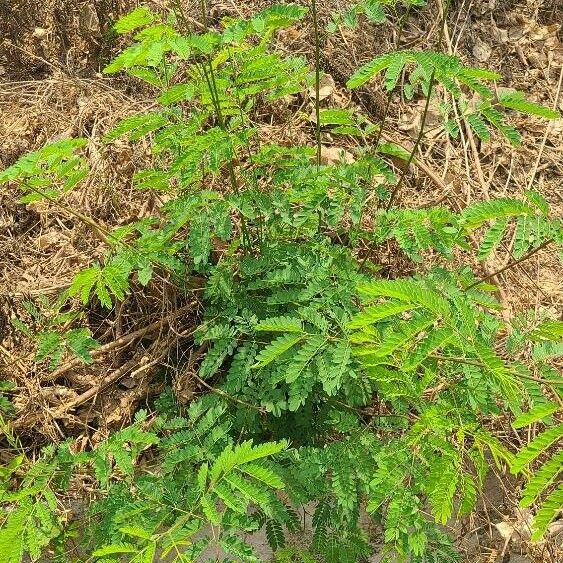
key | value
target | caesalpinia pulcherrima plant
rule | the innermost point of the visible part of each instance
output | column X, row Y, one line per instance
column 339, row 388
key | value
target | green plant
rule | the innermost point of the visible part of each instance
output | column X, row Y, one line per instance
column 50, row 327
column 6, row 406
column 474, row 100
column 544, row 336
column 375, row 11
column 346, row 389
column 204, row 477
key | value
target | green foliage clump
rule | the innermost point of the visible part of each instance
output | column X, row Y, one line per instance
column 338, row 384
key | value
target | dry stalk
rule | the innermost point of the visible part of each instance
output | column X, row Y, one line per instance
column 120, row 342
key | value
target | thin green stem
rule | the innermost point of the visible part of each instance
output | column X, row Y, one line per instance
column 243, row 116
column 403, row 20
column 317, row 95
column 317, row 80
column 103, row 234
column 209, row 75
column 476, row 363
column 424, row 115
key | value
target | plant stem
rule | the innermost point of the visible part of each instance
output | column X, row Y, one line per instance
column 511, row 265
column 104, row 235
column 214, row 92
column 317, row 80
column 404, row 18
column 424, row 115
column 470, row 362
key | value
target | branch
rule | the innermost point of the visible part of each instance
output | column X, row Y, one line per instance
column 317, row 80
column 124, row 340
column 511, row 265
column 424, row 115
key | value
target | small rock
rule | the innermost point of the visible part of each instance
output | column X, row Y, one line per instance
column 555, row 528
column 334, row 155
column 48, row 240
column 537, row 60
column 555, row 54
column 505, row 529
column 89, row 18
column 516, row 32
column 128, row 382
column 39, row 32
column 500, row 34
column 485, row 6
column 326, row 87
column 482, row 51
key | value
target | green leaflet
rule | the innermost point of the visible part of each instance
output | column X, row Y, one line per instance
column 478, row 126
column 337, row 368
column 280, row 324
column 517, row 101
column 376, row 313
column 442, row 496
column 394, row 70
column 524, row 235
column 478, row 213
column 375, row 10
column 336, row 117
column 47, row 343
column 538, row 200
column 135, row 531
column 239, row 548
column 369, row 70
column 506, row 382
column 497, row 120
column 276, row 348
column 547, row 513
column 469, row 494
column 394, row 339
column 81, row 343
column 406, row 290
column 536, row 447
column 263, row 474
column 541, row 479
column 492, row 238
column 114, row 549
column 275, row 535
column 176, row 93
column 252, row 491
column 243, row 454
column 436, row 340
column 312, row 346
column 537, row 414
column 210, row 510
column 136, row 126
column 135, row 19
column 498, row 451
column 548, row 330
column 231, row 500
column 11, row 534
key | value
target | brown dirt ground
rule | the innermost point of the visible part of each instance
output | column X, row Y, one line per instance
column 51, row 88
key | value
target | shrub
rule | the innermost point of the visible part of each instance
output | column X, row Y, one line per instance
column 334, row 384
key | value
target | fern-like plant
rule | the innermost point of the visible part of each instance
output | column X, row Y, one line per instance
column 334, row 384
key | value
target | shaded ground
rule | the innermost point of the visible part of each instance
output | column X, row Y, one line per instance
column 51, row 88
